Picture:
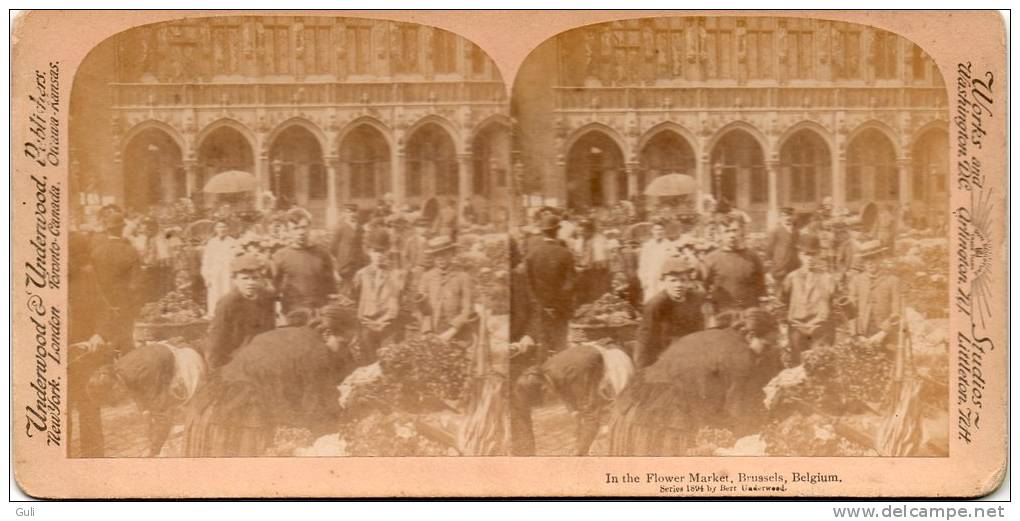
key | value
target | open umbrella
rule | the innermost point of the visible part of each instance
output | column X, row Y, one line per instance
column 229, row 182
column 672, row 185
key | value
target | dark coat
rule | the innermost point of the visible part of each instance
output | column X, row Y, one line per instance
column 303, row 277
column 781, row 250
column 734, row 278
column 236, row 321
column 663, row 320
column 347, row 250
column 549, row 267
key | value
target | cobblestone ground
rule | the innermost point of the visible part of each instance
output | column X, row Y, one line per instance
column 554, row 432
column 124, row 433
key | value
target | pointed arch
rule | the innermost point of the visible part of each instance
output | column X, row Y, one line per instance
column 610, row 132
column 442, row 123
column 231, row 123
column 751, row 130
column 148, row 124
column 371, row 121
column 301, row 122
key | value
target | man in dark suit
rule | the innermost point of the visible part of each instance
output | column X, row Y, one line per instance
column 781, row 248
column 549, row 268
column 346, row 247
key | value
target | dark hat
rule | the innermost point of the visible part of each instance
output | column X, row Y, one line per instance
column 378, row 240
column 246, row 262
column 338, row 318
column 786, row 210
column 586, row 223
column 112, row 219
column 296, row 215
column 808, row 243
column 549, row 222
column 350, row 207
column 439, row 244
column 676, row 265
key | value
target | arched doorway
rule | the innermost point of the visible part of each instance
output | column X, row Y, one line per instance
column 365, row 157
column 871, row 173
column 431, row 164
column 297, row 173
column 490, row 152
column 665, row 153
column 595, row 172
column 738, row 173
column 805, row 170
column 223, row 149
column 153, row 171
column 929, row 177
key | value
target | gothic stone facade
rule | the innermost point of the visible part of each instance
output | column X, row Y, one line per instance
column 323, row 110
column 766, row 112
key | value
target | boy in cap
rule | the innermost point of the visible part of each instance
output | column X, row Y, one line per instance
column 673, row 312
column 242, row 313
column 302, row 271
column 378, row 288
column 448, row 293
column 808, row 293
column 875, row 293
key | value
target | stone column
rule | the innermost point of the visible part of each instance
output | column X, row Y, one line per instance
column 772, row 170
column 397, row 177
column 191, row 177
column 465, row 174
column 633, row 184
column 839, row 179
column 262, row 177
column 332, row 201
column 704, row 175
column 903, row 171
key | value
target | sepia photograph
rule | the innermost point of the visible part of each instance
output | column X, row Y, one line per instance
column 288, row 238
column 733, row 241
column 509, row 254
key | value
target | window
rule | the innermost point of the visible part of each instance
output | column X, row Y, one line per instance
column 720, row 54
column 848, row 55
column 444, row 52
column 478, row 61
column 918, row 63
column 760, row 49
column 225, row 49
column 669, row 47
column 800, row 54
column 359, row 45
column 884, row 55
column 317, row 47
column 281, row 48
column 405, row 57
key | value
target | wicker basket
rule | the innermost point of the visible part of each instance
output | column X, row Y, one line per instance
column 589, row 333
column 155, row 331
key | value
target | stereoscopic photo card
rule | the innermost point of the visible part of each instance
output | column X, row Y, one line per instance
column 673, row 254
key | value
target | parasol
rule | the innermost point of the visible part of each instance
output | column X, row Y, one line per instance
column 669, row 185
column 231, row 181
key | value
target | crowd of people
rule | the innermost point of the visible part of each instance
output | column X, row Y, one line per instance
column 810, row 276
column 290, row 310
